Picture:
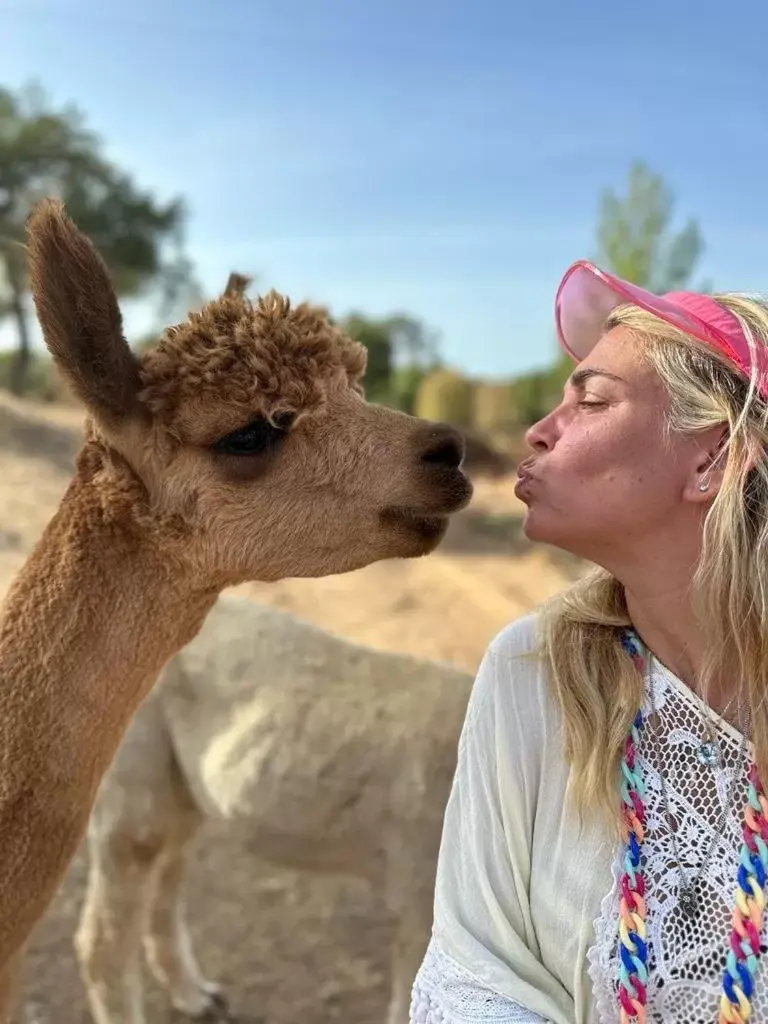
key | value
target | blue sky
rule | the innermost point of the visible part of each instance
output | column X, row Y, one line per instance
column 438, row 157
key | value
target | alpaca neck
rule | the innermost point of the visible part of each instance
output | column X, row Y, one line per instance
column 86, row 628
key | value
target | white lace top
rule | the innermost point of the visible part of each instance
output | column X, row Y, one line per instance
column 509, row 970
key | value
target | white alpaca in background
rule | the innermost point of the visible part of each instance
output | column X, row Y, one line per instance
column 339, row 758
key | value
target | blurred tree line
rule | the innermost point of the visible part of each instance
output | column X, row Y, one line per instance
column 49, row 151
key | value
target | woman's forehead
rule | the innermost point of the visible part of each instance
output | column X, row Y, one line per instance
column 618, row 354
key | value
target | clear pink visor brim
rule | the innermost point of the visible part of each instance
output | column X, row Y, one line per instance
column 587, row 296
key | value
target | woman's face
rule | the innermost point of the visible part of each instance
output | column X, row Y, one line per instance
column 604, row 475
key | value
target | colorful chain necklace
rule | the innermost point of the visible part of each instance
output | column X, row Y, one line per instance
column 744, row 948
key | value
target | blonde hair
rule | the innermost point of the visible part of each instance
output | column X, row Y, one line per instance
column 594, row 683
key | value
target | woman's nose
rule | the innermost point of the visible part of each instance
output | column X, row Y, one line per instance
column 539, row 436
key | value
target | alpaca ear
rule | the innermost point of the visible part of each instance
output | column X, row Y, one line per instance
column 237, row 284
column 79, row 316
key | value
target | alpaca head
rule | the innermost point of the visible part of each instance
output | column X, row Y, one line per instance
column 242, row 442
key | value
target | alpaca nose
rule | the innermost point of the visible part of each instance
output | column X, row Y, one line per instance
column 443, row 446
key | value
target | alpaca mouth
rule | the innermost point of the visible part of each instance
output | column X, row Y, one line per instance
column 457, row 494
column 429, row 520
column 427, row 527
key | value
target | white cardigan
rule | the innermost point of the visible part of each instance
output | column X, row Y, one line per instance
column 526, row 902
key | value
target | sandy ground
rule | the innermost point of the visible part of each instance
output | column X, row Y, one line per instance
column 288, row 947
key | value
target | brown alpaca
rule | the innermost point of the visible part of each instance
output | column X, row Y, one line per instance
column 239, row 448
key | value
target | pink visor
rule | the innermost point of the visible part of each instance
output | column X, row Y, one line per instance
column 587, row 295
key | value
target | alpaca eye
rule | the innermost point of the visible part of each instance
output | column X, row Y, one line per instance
column 258, row 438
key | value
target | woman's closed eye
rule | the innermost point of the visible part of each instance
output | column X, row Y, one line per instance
column 592, row 402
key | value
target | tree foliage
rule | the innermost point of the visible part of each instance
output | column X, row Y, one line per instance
column 401, row 350
column 48, row 151
column 635, row 238
column 534, row 394
column 404, row 386
column 376, row 336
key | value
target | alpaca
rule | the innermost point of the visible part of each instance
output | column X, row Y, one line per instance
column 239, row 448
column 331, row 756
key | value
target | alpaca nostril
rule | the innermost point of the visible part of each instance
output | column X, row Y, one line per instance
column 445, row 450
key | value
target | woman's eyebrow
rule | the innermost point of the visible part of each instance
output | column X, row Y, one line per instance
column 580, row 377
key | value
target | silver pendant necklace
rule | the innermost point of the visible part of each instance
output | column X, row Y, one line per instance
column 709, row 754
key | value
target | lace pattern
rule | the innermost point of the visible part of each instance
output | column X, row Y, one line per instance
column 445, row 993
column 686, row 957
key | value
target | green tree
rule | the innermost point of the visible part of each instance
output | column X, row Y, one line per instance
column 404, row 386
column 635, row 238
column 534, row 394
column 401, row 350
column 46, row 151
column 377, row 338
column 413, row 343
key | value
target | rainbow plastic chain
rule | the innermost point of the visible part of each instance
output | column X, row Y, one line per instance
column 747, row 919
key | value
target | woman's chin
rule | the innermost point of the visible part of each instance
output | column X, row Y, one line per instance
column 531, row 528
column 563, row 540
column 536, row 529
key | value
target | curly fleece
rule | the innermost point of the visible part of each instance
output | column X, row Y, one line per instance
column 269, row 355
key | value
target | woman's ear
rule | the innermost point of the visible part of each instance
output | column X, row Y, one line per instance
column 708, row 466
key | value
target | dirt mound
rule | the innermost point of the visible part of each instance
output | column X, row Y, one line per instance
column 289, row 947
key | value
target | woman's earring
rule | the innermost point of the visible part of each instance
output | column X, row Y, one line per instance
column 704, row 485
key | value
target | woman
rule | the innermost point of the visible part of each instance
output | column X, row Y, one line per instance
column 604, row 852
